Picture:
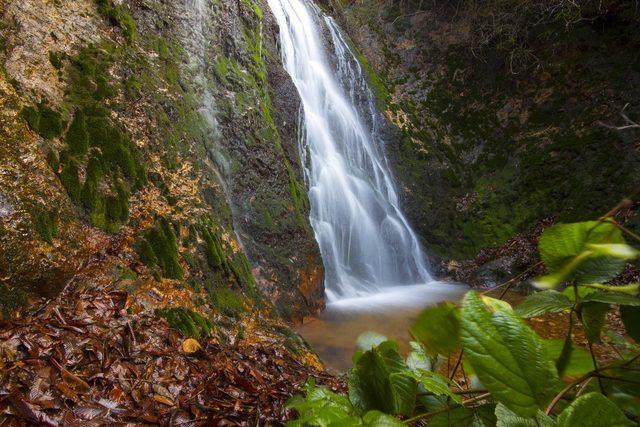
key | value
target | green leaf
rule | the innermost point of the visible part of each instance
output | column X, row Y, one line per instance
column 418, row 358
column 322, row 407
column 631, row 319
column 508, row 357
column 616, row 250
column 592, row 410
column 630, row 405
column 579, row 361
column 543, row 302
column 434, row 383
column 438, row 328
column 583, row 291
column 379, row 419
column 593, row 317
column 378, row 381
column 507, row 418
column 368, row 340
column 613, row 298
column 576, row 252
column 460, row 416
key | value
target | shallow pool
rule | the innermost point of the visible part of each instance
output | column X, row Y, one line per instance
column 333, row 334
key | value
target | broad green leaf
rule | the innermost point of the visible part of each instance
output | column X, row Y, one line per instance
column 322, row 407
column 543, row 302
column 460, row 416
column 613, row 298
column 631, row 319
column 622, row 345
column 434, row 383
column 616, row 250
column 592, row 410
column 508, row 357
column 579, row 361
column 506, row 418
column 368, row 340
column 568, row 253
column 378, row 381
column 379, row 419
column 623, row 381
column 418, row 358
column 593, row 316
column 583, row 291
column 438, row 328
column 630, row 405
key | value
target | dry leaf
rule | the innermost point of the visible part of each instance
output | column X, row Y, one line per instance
column 162, row 399
column 190, row 346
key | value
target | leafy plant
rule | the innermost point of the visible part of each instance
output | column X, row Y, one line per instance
column 519, row 379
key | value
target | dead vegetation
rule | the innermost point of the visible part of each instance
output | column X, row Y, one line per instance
column 84, row 359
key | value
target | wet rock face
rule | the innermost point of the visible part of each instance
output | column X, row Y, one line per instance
column 206, row 170
column 493, row 142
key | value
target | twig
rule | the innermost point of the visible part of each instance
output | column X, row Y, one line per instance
column 445, row 409
column 511, row 281
column 455, row 368
column 629, row 124
column 565, row 390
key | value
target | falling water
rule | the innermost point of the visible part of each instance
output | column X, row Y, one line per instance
column 365, row 240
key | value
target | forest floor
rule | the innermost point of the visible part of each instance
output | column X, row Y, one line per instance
column 84, row 358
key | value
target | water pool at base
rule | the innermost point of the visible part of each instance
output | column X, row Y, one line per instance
column 333, row 334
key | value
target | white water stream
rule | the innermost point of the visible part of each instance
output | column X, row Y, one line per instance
column 367, row 245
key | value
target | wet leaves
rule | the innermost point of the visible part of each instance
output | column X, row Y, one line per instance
column 83, row 359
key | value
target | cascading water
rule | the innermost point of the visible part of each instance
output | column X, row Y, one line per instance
column 365, row 240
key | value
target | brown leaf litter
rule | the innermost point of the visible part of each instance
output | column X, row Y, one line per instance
column 84, row 359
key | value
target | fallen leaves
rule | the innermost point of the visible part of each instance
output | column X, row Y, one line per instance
column 191, row 346
column 84, row 358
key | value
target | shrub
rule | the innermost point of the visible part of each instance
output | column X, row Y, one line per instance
column 521, row 374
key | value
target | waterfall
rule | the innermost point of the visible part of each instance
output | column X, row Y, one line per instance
column 365, row 240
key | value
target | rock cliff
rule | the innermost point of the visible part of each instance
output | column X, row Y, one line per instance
column 156, row 142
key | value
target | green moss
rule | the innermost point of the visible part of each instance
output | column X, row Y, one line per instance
column 113, row 166
column 43, row 120
column 69, row 177
column 189, row 323
column 116, row 14
column 158, row 246
column 77, row 137
column 11, row 299
column 226, row 301
column 242, row 271
column 56, row 59
column 213, row 249
column 45, row 221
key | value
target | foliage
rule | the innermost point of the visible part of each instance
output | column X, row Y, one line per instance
column 519, row 374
